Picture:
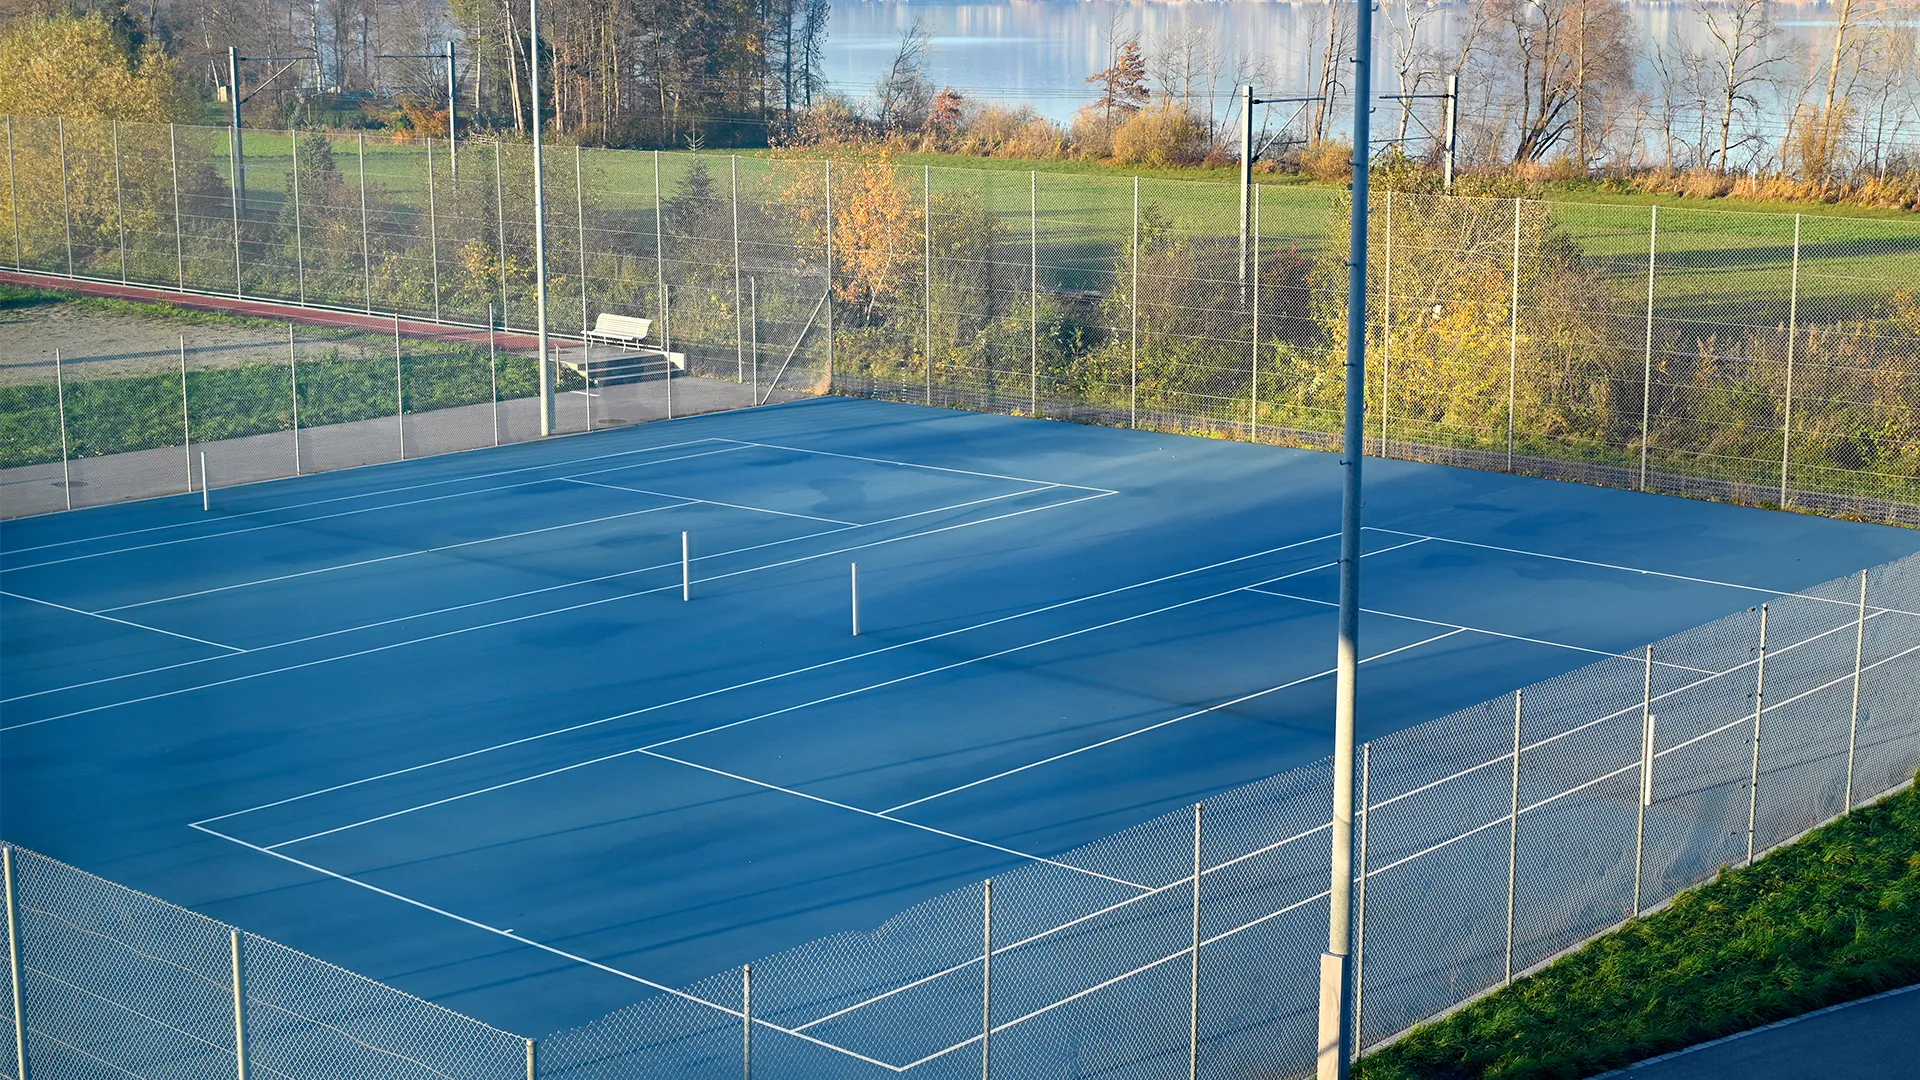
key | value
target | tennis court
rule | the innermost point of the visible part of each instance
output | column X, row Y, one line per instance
column 469, row 724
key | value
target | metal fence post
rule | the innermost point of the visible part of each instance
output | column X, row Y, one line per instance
column 1646, row 377
column 60, row 399
column 746, row 1021
column 66, row 195
column 493, row 373
column 829, row 216
column 1759, row 707
column 1513, row 834
column 1133, row 306
column 1793, row 325
column 753, row 335
column 366, row 256
column 666, row 340
column 1386, row 328
column 1193, row 979
column 1513, row 334
column 13, row 197
column 533, row 1060
column 433, row 232
column 236, row 183
column 1853, row 723
column 1360, row 921
column 186, row 415
column 293, row 382
column 659, row 245
column 739, row 332
column 179, row 245
column 239, row 1006
column 926, row 268
column 1253, row 382
column 986, row 984
column 14, row 968
column 119, row 202
column 1033, row 292
column 299, row 242
column 500, row 236
column 399, row 391
column 580, row 234
column 1646, row 777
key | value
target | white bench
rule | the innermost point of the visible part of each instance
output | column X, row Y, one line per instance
column 626, row 331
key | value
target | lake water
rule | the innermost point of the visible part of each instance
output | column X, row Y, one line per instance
column 1039, row 52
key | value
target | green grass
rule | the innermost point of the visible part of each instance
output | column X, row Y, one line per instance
column 1831, row 918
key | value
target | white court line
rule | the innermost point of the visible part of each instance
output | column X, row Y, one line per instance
column 343, row 498
column 708, row 502
column 1480, row 630
column 731, row 723
column 897, row 821
column 232, row 650
column 1163, row 723
column 916, row 465
column 554, row 611
column 391, row 558
column 762, row 680
column 542, row 946
column 551, row 588
column 362, row 510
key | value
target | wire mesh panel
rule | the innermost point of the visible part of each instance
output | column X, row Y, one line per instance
column 240, row 390
column 116, row 982
column 1302, row 330
column 698, row 1033
column 147, row 207
column 38, row 195
column 126, row 414
column 984, row 308
column 1084, row 237
column 351, row 395
column 32, row 476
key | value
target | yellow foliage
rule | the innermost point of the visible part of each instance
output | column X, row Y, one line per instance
column 1159, row 136
column 66, row 65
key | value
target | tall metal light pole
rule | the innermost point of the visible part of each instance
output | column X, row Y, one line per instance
column 539, row 222
column 1336, row 964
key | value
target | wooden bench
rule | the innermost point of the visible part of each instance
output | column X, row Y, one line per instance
column 627, row 331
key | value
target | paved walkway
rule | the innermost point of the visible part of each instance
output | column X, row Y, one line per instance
column 1869, row 1039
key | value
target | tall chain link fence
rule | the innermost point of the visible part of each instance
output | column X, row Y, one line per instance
column 1771, row 359
column 1490, row 841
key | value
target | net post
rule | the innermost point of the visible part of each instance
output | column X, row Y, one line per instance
column 206, row 485
column 746, row 1021
column 186, row 414
column 493, row 372
column 1853, row 722
column 14, row 968
column 854, row 577
column 239, row 1005
column 1646, row 777
column 1513, row 834
column 1193, row 973
column 1793, row 324
column 686, row 567
column 1646, row 375
column 293, row 391
column 60, row 400
column 1759, row 708
column 986, row 983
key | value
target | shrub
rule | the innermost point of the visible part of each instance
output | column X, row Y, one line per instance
column 1160, row 136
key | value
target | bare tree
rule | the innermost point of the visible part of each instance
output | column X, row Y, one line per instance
column 903, row 95
column 1744, row 59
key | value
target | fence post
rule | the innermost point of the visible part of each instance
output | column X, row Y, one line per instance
column 500, row 236
column 829, row 214
column 366, row 256
column 1646, row 377
column 1386, row 329
column 580, row 219
column 533, row 1058
column 1193, row 981
column 739, row 335
column 14, row 969
column 1033, row 292
column 433, row 231
column 986, row 985
column 1793, row 324
column 666, row 339
column 399, row 392
column 926, row 268
column 1513, row 834
column 1133, row 306
column 179, row 246
column 293, row 381
column 119, row 202
column 236, row 183
column 1853, row 723
column 1646, row 776
column 60, row 399
column 299, row 242
column 13, row 197
column 1253, row 386
column 1513, row 333
column 1360, row 921
column 186, row 415
column 66, row 195
column 746, row 1021
column 753, row 335
column 493, row 373
column 660, row 250
column 1759, row 707
column 239, row 1006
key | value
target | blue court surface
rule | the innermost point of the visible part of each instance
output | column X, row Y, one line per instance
column 449, row 722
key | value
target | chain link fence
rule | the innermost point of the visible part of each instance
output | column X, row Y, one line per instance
column 1771, row 359
column 1490, row 841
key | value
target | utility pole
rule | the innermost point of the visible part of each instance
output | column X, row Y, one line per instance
column 1452, row 133
column 1335, row 1047
column 1247, row 156
column 234, row 152
column 453, row 100
column 539, row 222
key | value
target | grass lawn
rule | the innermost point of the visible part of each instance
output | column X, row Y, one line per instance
column 1831, row 918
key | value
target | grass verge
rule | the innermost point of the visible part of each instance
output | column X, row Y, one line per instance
column 1831, row 918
